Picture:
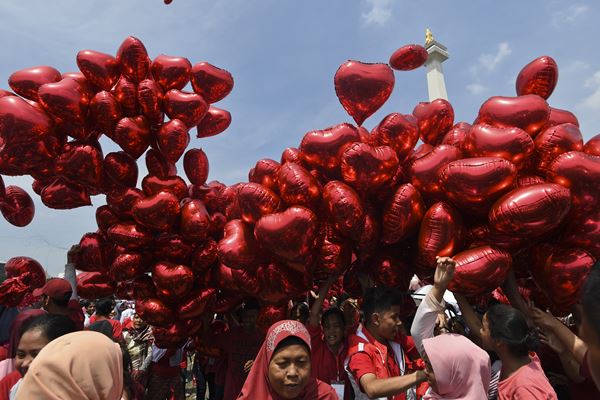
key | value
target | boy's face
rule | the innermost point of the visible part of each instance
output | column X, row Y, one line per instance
column 388, row 322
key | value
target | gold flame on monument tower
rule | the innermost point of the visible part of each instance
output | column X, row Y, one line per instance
column 428, row 37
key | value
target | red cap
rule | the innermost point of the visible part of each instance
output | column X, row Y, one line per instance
column 55, row 288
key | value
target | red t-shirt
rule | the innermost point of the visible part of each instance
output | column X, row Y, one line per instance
column 117, row 328
column 76, row 314
column 528, row 383
column 326, row 365
column 7, row 383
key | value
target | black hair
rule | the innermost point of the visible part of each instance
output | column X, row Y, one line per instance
column 104, row 307
column 51, row 325
column 590, row 299
column 379, row 299
column 104, row 327
column 62, row 301
column 333, row 312
column 290, row 341
column 300, row 312
column 509, row 325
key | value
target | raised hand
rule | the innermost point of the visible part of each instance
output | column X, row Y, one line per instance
column 444, row 272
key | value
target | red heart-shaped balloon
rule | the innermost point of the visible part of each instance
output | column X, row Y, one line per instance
column 4, row 93
column 195, row 165
column 133, row 59
column 343, row 208
column 592, row 146
column 370, row 235
column 127, row 266
column 580, row 172
column 409, row 57
column 402, row 214
column 323, row 149
column 398, row 131
column 62, row 195
column 17, row 206
column 173, row 138
column 171, row 72
column 20, row 122
column 126, row 93
column 94, row 285
column 174, row 184
column 150, row 98
column 529, row 112
column 212, row 83
column 92, row 253
column 100, row 69
column 158, row 165
column 538, row 77
column 290, row 235
column 555, row 141
column 291, row 154
column 29, row 270
column 105, row 112
column 204, row 256
column 425, row 168
column 531, row 210
column 363, row 88
column 121, row 168
column 2, row 189
column 368, row 168
column 26, row 82
column 194, row 221
column 334, row 253
column 81, row 163
column 214, row 122
column 297, row 186
column 33, row 158
column 480, row 270
column 275, row 282
column 474, row 183
column 105, row 218
column 159, row 211
column 129, row 235
column 121, row 201
column 238, row 248
column 256, row 201
column 527, row 180
column 133, row 135
column 197, row 304
column 172, row 280
column 171, row 247
column 65, row 99
column 440, row 234
column 512, row 144
column 434, row 119
column 390, row 270
column 265, row 173
column 483, row 235
column 154, row 311
column 456, row 135
column 190, row 108
column 558, row 116
column 269, row 315
column 584, row 232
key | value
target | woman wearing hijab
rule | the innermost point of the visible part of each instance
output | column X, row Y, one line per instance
column 138, row 341
column 67, row 369
column 282, row 368
column 8, row 365
column 456, row 367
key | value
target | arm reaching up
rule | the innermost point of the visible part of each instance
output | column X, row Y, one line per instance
column 315, row 310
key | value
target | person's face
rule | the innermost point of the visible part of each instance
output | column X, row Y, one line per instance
column 138, row 323
column 430, row 374
column 248, row 321
column 487, row 341
column 593, row 341
column 31, row 343
column 387, row 323
column 333, row 331
column 289, row 371
column 91, row 308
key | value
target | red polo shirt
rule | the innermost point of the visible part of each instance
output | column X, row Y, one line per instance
column 326, row 365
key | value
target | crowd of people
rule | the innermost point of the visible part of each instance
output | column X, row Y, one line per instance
column 378, row 347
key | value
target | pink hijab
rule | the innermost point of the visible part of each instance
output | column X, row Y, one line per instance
column 80, row 365
column 462, row 369
column 257, row 384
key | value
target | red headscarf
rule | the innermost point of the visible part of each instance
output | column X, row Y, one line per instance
column 257, row 384
column 15, row 329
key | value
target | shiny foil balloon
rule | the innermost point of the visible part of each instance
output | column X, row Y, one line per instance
column 33, row 158
column 579, row 172
column 297, row 186
column 171, row 72
column 150, row 96
column 398, row 131
column 409, row 57
column 323, row 149
column 456, row 135
column 154, row 311
column 26, row 82
column 592, row 146
column 474, row 183
column 214, row 122
column 93, row 285
column 64, row 99
column 402, row 214
column 211, row 82
column 512, row 144
column 81, row 163
column 527, row 180
column 105, row 112
column 100, row 69
column 256, row 201
column 424, row 170
column 27, row 269
column 538, row 77
column 62, row 195
column 291, row 154
column 22, row 123
column 584, row 233
column 483, row 235
column 531, row 210
column 276, row 283
column 434, row 119
column 173, row 138
column 363, row 88
column 17, row 207
column 171, row 247
column 92, row 253
column 441, row 233
column 159, row 211
column 344, row 209
column 246, row 281
column 555, row 141
column 2, row 189
column 204, row 256
column 194, row 221
column 290, row 235
column 368, row 168
column 190, row 108
column 390, row 270
column 133, row 135
column 197, row 304
column 121, row 201
column 370, row 235
column 172, row 279
column 265, row 173
column 195, row 165
column 126, row 93
column 132, row 56
column 238, row 248
column 127, row 266
column 558, row 116
column 529, row 112
column 334, row 253
column 158, row 165
column 480, row 270
column 174, row 184
column 129, row 235
column 121, row 169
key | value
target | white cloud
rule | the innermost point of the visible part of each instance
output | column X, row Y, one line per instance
column 569, row 15
column 489, row 62
column 592, row 101
column 476, row 88
column 380, row 12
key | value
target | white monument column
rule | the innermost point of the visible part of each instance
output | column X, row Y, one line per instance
column 438, row 53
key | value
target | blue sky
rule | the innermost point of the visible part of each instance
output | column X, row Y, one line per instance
column 283, row 55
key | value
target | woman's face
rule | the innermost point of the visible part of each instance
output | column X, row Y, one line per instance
column 289, row 371
column 138, row 323
column 31, row 343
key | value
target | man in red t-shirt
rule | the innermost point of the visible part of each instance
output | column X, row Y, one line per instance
column 56, row 299
column 103, row 310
